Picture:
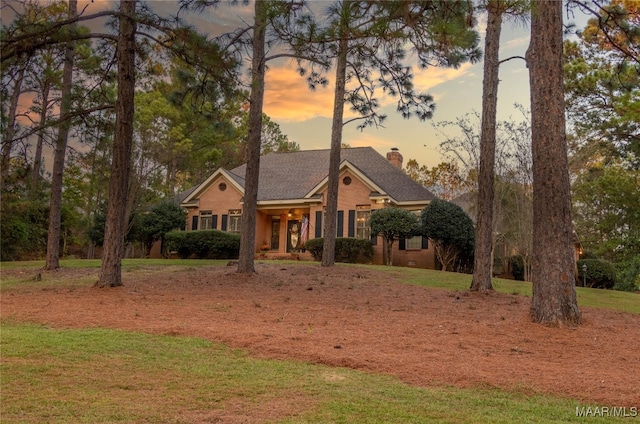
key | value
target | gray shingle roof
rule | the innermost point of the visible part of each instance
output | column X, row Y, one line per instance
column 292, row 175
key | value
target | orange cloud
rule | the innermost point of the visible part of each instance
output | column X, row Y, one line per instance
column 287, row 96
column 427, row 79
column 369, row 139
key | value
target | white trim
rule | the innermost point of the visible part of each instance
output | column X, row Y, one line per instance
column 195, row 194
column 278, row 204
column 422, row 203
column 344, row 166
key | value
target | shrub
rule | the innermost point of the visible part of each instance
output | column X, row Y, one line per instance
column 161, row 219
column 348, row 249
column 450, row 230
column 517, row 267
column 588, row 254
column 600, row 273
column 353, row 250
column 314, row 246
column 393, row 224
column 204, row 244
column 628, row 275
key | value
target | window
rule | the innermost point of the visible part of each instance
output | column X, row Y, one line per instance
column 414, row 243
column 363, row 227
column 235, row 219
column 206, row 220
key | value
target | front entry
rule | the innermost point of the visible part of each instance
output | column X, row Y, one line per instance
column 275, row 234
column 293, row 235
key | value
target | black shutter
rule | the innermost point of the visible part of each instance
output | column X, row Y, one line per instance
column 351, row 232
column 223, row 227
column 374, row 240
column 214, row 222
column 194, row 222
column 402, row 244
column 318, row 224
column 425, row 242
column 340, row 231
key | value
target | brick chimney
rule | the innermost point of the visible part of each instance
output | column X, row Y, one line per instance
column 395, row 157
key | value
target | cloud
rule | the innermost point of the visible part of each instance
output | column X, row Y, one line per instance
column 427, row 79
column 369, row 139
column 516, row 43
column 287, row 96
column 94, row 6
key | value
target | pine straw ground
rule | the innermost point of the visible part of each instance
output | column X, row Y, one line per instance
column 360, row 318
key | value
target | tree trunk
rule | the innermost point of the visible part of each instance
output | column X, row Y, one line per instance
column 114, row 231
column 7, row 144
column 37, row 156
column 249, row 210
column 331, row 216
column 482, row 268
column 554, row 296
column 55, row 204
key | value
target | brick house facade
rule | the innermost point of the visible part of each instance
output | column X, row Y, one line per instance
column 292, row 200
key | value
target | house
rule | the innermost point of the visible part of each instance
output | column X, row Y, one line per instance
column 292, row 199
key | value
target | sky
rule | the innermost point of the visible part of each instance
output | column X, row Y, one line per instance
column 305, row 115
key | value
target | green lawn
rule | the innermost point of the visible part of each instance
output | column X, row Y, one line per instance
column 106, row 376
column 596, row 298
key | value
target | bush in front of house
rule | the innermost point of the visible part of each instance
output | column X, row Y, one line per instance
column 600, row 273
column 348, row 249
column 314, row 246
column 204, row 244
column 353, row 250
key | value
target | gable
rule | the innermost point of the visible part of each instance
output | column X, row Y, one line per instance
column 218, row 186
column 348, row 167
column 220, row 176
column 294, row 176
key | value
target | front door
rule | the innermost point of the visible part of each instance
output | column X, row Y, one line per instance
column 275, row 234
column 293, row 235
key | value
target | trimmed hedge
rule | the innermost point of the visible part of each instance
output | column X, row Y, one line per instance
column 600, row 273
column 204, row 244
column 348, row 249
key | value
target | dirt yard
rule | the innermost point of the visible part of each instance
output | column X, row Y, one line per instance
column 359, row 318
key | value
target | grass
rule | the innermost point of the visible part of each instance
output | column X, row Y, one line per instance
column 108, row 376
column 594, row 298
column 26, row 272
column 127, row 264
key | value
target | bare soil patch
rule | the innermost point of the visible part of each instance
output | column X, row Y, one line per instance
column 359, row 318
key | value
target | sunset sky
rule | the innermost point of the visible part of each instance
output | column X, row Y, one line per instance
column 305, row 116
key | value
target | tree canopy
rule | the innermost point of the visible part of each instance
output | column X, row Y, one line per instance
column 392, row 224
column 451, row 231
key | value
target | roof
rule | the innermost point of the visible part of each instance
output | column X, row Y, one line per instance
column 295, row 175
